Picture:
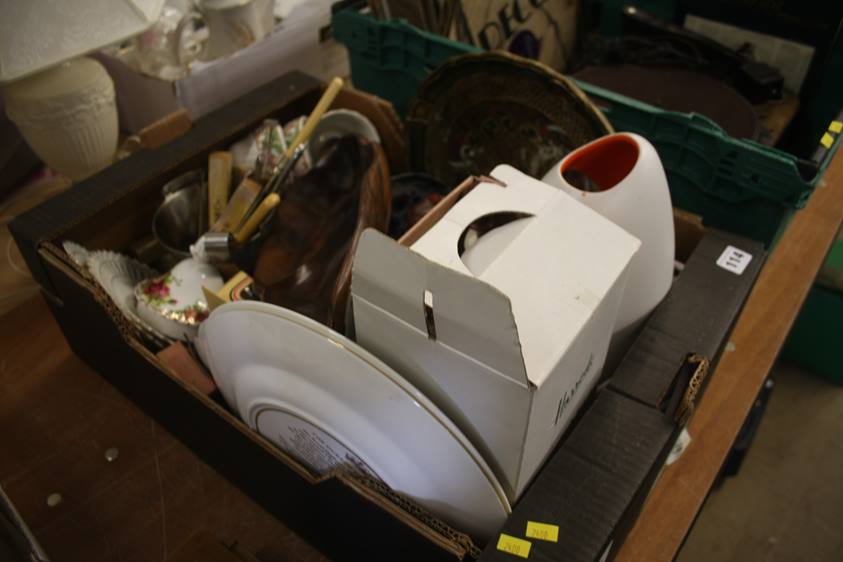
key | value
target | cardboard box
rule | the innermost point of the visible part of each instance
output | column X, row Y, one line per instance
column 509, row 353
column 546, row 31
column 592, row 489
column 598, row 479
column 297, row 43
column 112, row 210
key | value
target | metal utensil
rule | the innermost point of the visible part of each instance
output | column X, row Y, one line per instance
column 297, row 147
column 218, row 247
column 266, row 206
column 177, row 222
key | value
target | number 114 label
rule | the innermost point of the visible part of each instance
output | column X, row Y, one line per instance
column 734, row 260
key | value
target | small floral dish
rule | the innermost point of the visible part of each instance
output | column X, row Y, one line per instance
column 247, row 151
column 173, row 303
column 291, row 131
column 117, row 274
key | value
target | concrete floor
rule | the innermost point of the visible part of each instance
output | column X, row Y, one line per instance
column 786, row 502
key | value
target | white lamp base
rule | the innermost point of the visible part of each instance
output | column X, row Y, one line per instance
column 68, row 116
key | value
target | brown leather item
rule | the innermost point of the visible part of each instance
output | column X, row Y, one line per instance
column 305, row 262
column 677, row 89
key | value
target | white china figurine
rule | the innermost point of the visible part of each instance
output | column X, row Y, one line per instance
column 174, row 303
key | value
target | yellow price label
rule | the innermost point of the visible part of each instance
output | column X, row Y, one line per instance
column 835, row 126
column 827, row 140
column 514, row 545
column 543, row 531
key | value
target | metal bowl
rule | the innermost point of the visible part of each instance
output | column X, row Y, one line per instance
column 181, row 218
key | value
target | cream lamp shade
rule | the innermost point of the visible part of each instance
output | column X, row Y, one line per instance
column 38, row 34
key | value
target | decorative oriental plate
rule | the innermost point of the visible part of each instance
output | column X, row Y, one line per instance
column 480, row 110
column 332, row 405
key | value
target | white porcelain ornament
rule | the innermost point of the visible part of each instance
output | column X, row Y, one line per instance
column 174, row 303
column 621, row 177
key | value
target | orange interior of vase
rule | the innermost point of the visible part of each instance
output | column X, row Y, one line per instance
column 601, row 165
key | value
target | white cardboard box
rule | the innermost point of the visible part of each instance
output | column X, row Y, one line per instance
column 511, row 353
column 295, row 44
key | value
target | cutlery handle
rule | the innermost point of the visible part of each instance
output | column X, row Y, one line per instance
column 219, row 184
column 237, row 206
column 267, row 205
column 324, row 103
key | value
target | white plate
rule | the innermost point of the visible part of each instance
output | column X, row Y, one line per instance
column 338, row 123
column 329, row 402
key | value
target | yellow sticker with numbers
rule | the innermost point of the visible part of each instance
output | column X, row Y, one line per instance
column 514, row 545
column 835, row 126
column 827, row 140
column 542, row 531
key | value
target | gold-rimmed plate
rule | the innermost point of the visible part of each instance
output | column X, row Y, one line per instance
column 331, row 404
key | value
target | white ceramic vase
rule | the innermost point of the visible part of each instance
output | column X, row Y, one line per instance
column 234, row 24
column 629, row 187
column 68, row 116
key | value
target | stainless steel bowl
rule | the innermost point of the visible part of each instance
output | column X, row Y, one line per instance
column 181, row 218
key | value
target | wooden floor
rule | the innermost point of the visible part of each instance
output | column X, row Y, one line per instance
column 58, row 420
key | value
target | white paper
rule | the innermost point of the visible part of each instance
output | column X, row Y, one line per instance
column 292, row 46
column 682, row 442
column 734, row 260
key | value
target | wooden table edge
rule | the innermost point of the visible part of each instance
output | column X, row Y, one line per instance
column 759, row 334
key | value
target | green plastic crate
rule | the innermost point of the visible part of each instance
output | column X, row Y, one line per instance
column 737, row 185
column 390, row 59
column 816, row 338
